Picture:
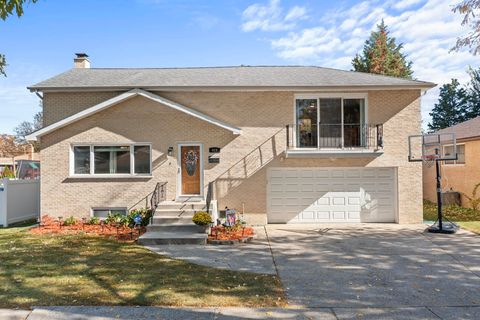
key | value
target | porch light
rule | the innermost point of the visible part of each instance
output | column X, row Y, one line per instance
column 170, row 151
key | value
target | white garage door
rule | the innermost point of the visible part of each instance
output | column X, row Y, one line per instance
column 303, row 195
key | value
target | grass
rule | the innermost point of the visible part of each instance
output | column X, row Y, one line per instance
column 473, row 226
column 44, row 270
column 465, row 217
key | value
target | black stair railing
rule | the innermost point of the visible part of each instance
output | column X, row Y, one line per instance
column 159, row 194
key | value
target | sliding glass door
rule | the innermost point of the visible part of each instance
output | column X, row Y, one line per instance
column 330, row 122
column 307, row 123
column 353, row 122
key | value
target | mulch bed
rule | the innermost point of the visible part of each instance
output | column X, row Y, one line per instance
column 49, row 225
column 223, row 235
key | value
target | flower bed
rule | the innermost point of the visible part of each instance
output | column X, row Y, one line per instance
column 230, row 235
column 71, row 225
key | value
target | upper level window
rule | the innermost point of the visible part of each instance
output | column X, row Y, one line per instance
column 448, row 150
column 336, row 121
column 128, row 159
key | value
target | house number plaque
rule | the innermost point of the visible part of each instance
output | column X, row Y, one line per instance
column 212, row 158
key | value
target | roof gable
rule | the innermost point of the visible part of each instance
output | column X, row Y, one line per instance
column 126, row 96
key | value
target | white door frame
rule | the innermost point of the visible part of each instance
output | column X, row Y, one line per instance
column 179, row 169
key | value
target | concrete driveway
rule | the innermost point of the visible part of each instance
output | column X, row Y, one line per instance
column 378, row 266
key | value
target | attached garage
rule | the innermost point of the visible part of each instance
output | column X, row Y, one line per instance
column 316, row 195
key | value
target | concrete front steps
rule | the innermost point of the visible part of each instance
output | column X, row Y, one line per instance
column 172, row 224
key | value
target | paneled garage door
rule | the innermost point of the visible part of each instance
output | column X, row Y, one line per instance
column 303, row 195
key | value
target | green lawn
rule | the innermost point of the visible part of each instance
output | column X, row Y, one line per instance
column 473, row 226
column 89, row 270
column 465, row 217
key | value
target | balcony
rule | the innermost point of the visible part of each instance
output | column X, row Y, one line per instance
column 334, row 140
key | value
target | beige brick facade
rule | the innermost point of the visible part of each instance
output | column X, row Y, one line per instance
column 240, row 177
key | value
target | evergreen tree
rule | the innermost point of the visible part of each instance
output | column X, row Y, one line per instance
column 381, row 55
column 451, row 108
column 473, row 91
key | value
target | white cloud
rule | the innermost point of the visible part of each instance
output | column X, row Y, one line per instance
column 271, row 17
column 428, row 28
column 400, row 5
column 296, row 13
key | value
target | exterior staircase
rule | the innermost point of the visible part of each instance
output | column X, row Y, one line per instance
column 172, row 224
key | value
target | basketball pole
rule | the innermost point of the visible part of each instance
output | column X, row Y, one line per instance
column 448, row 227
column 439, row 192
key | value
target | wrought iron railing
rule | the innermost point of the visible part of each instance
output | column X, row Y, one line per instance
column 159, row 194
column 335, row 136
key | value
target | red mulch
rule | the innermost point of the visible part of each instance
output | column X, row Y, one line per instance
column 222, row 233
column 51, row 225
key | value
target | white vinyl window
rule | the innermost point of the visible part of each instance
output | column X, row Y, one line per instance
column 111, row 160
column 448, row 150
column 103, row 213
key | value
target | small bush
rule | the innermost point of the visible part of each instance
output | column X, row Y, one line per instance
column 473, row 198
column 93, row 221
column 202, row 218
column 116, row 218
column 143, row 213
column 70, row 221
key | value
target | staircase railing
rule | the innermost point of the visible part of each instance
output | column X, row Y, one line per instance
column 159, row 194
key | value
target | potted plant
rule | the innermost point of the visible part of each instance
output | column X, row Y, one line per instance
column 203, row 218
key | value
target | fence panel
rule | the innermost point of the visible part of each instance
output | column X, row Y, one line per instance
column 19, row 200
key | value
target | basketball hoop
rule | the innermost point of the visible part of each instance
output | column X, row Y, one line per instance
column 432, row 149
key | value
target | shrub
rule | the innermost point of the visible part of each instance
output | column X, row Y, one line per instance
column 70, row 221
column 116, row 218
column 7, row 173
column 451, row 212
column 93, row 221
column 144, row 213
column 202, row 218
column 474, row 199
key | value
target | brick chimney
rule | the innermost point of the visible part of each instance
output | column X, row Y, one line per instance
column 81, row 61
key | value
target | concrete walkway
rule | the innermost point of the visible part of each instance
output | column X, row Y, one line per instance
column 150, row 313
column 253, row 257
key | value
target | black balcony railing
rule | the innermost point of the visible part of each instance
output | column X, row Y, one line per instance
column 335, row 136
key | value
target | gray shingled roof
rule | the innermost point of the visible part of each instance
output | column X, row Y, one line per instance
column 464, row 130
column 243, row 76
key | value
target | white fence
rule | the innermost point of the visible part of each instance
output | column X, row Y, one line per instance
column 19, row 200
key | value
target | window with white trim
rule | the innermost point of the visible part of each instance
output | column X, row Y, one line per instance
column 116, row 159
column 104, row 212
column 448, row 150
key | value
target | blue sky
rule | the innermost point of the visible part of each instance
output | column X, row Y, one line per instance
column 162, row 33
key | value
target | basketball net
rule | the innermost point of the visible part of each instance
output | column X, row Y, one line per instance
column 429, row 160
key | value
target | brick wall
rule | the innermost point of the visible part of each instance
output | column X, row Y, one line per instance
column 461, row 178
column 241, row 174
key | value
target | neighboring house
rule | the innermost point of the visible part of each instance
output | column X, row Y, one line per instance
column 283, row 144
column 27, row 165
column 457, row 175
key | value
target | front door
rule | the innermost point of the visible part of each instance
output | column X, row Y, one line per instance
column 190, row 169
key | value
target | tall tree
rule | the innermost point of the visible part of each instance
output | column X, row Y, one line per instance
column 470, row 9
column 9, row 147
column 473, row 91
column 26, row 127
column 382, row 55
column 7, row 8
column 451, row 108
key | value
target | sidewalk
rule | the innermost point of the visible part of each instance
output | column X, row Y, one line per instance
column 144, row 313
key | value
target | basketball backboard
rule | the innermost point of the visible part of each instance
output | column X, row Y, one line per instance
column 432, row 146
